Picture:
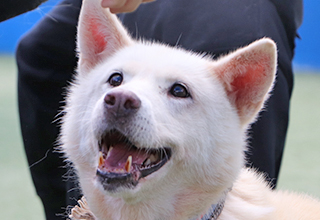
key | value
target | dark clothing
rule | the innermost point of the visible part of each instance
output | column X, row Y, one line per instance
column 11, row 8
column 46, row 60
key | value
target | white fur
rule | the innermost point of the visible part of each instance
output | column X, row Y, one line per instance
column 206, row 132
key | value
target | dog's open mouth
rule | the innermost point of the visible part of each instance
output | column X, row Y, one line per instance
column 123, row 164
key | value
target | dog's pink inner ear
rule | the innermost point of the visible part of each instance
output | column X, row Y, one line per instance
column 247, row 75
column 248, row 89
column 97, row 36
column 100, row 35
column 248, row 78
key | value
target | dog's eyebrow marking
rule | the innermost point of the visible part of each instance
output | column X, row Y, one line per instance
column 39, row 161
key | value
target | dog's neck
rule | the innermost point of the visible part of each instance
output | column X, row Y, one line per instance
column 83, row 211
column 215, row 210
column 183, row 205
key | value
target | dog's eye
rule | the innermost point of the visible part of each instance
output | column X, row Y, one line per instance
column 115, row 79
column 179, row 90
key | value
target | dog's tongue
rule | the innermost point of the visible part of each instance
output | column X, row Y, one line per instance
column 118, row 155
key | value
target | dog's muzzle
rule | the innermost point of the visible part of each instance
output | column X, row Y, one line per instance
column 121, row 162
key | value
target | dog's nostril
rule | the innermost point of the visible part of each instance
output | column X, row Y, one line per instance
column 132, row 103
column 110, row 99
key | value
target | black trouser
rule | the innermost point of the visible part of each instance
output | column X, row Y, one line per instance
column 46, row 61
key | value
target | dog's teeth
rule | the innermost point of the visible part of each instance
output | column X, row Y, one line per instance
column 153, row 158
column 147, row 162
column 101, row 159
column 128, row 164
column 108, row 154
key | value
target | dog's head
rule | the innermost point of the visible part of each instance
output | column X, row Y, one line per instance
column 147, row 122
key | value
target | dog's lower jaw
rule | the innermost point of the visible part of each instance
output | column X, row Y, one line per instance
column 162, row 195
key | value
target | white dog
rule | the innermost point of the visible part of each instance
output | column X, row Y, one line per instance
column 158, row 133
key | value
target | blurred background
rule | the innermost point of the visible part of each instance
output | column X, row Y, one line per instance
column 301, row 165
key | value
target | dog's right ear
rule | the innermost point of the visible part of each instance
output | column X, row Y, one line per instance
column 100, row 34
column 248, row 75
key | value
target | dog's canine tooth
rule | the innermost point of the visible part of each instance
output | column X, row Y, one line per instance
column 147, row 162
column 128, row 164
column 109, row 151
column 101, row 159
column 153, row 158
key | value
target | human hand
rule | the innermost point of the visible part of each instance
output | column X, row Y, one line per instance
column 120, row 6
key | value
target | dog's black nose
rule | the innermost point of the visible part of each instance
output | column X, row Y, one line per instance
column 122, row 103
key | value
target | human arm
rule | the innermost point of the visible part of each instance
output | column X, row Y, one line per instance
column 9, row 9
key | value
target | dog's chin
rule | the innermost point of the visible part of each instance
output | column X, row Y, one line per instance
column 122, row 164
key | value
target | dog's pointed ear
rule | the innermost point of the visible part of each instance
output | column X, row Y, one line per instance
column 248, row 75
column 100, row 34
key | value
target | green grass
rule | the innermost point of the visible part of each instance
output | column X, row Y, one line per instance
column 18, row 198
column 300, row 170
column 301, row 165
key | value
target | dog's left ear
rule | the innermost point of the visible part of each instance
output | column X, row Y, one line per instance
column 248, row 75
column 100, row 34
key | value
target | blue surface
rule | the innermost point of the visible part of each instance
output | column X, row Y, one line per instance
column 307, row 51
column 308, row 48
column 11, row 30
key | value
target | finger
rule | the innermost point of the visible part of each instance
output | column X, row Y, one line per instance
column 129, row 6
column 113, row 3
